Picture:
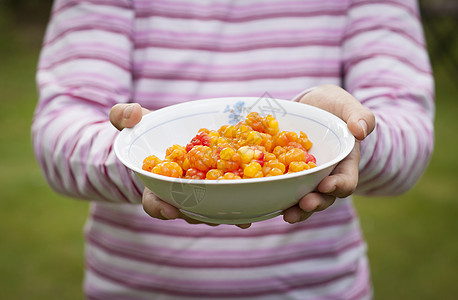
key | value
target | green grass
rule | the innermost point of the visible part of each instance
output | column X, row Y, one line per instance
column 413, row 244
column 41, row 234
column 412, row 239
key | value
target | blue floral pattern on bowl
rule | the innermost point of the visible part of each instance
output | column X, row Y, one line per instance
column 236, row 112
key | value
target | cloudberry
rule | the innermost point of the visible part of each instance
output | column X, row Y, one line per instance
column 253, row 170
column 230, row 175
column 150, row 162
column 294, row 154
column 192, row 173
column 250, row 149
column 168, row 168
column 304, row 141
column 201, row 138
column 201, row 158
column 214, row 174
column 297, row 166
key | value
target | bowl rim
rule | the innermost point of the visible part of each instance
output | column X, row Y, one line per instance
column 126, row 131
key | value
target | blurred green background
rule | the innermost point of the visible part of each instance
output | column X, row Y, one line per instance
column 413, row 239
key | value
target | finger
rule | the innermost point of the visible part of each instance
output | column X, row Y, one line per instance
column 157, row 208
column 244, row 226
column 126, row 115
column 314, row 202
column 359, row 119
column 343, row 179
column 190, row 220
column 295, row 214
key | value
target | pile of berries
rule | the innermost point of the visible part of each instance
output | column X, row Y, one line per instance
column 253, row 148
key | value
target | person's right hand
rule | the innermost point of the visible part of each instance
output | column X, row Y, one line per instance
column 126, row 116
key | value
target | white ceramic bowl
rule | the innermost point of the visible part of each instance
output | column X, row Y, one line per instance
column 233, row 201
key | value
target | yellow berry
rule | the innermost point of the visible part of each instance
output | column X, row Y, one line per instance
column 297, row 166
column 168, row 168
column 246, row 153
column 214, row 174
column 253, row 169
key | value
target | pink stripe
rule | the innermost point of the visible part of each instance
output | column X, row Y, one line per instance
column 371, row 163
column 237, row 77
column 238, row 14
column 125, row 65
column 220, row 47
column 68, row 150
column 384, row 79
column 67, row 4
column 145, row 226
column 107, row 174
column 386, row 167
column 323, row 33
column 223, row 7
column 383, row 26
column 74, row 49
column 59, row 171
column 85, row 27
column 223, row 259
column 402, row 4
column 161, row 66
column 94, row 81
column 91, row 191
column 239, row 19
column 156, row 100
column 350, row 64
column 209, row 41
column 218, row 288
column 408, row 174
column 362, row 285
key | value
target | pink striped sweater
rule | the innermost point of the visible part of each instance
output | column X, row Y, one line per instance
column 97, row 53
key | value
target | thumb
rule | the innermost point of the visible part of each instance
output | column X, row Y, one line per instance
column 125, row 115
column 360, row 120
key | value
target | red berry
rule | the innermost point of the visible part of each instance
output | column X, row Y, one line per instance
column 201, row 138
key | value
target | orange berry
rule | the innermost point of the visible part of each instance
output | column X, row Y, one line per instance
column 168, row 168
column 304, row 141
column 177, row 154
column 269, row 156
column 253, row 148
column 255, row 121
column 246, row 153
column 214, row 174
column 253, row 170
column 229, row 132
column 201, row 158
column 204, row 130
column 294, row 154
column 254, row 138
column 292, row 145
column 272, row 125
column 230, row 176
column 272, row 172
column 284, row 137
column 150, row 162
column 279, row 150
column 297, row 166
column 192, row 173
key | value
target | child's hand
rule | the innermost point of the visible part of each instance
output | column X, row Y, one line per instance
column 343, row 180
column 128, row 115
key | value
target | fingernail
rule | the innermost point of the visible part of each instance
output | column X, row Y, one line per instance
column 164, row 214
column 363, row 125
column 128, row 111
column 330, row 190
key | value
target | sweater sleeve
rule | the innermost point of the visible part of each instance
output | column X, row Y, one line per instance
column 386, row 67
column 83, row 70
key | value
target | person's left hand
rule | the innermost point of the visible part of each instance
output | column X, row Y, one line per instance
column 343, row 180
